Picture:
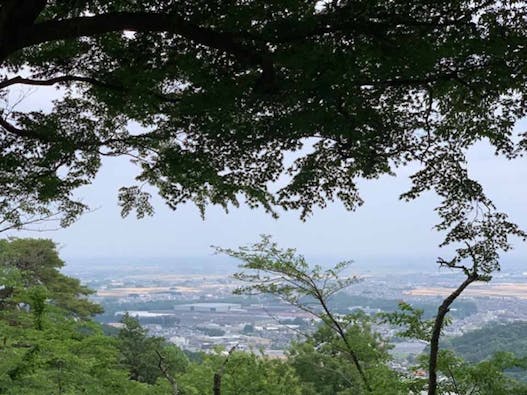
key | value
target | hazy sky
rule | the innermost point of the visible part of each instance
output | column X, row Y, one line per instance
column 384, row 227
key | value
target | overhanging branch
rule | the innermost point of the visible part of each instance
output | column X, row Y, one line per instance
column 74, row 78
column 138, row 22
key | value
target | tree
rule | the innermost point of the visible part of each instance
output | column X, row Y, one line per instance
column 61, row 357
column 267, row 269
column 44, row 346
column 36, row 263
column 324, row 368
column 21, row 215
column 222, row 90
column 483, row 378
column 148, row 358
column 481, row 344
column 248, row 328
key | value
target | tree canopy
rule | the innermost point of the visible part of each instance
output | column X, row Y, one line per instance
column 223, row 89
column 30, row 263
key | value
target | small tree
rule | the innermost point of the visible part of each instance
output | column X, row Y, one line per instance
column 481, row 240
column 148, row 358
column 287, row 275
column 37, row 262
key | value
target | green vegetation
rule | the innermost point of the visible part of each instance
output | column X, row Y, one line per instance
column 51, row 345
column 248, row 329
column 481, row 344
column 33, row 262
column 484, row 378
column 345, row 355
column 223, row 90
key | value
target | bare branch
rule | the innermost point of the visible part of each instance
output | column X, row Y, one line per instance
column 75, row 78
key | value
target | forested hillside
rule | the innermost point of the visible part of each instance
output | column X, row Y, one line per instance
column 481, row 344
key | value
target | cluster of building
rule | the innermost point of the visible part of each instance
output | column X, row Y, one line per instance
column 199, row 312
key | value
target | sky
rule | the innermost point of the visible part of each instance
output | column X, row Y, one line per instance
column 383, row 229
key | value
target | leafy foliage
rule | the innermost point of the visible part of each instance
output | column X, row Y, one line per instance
column 44, row 348
column 272, row 270
column 483, row 378
column 37, row 264
column 141, row 354
column 481, row 344
column 411, row 319
column 245, row 373
column 223, row 90
column 322, row 363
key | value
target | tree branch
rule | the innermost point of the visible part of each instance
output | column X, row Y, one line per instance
column 54, row 30
column 166, row 373
column 19, row 132
column 342, row 334
column 75, row 78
